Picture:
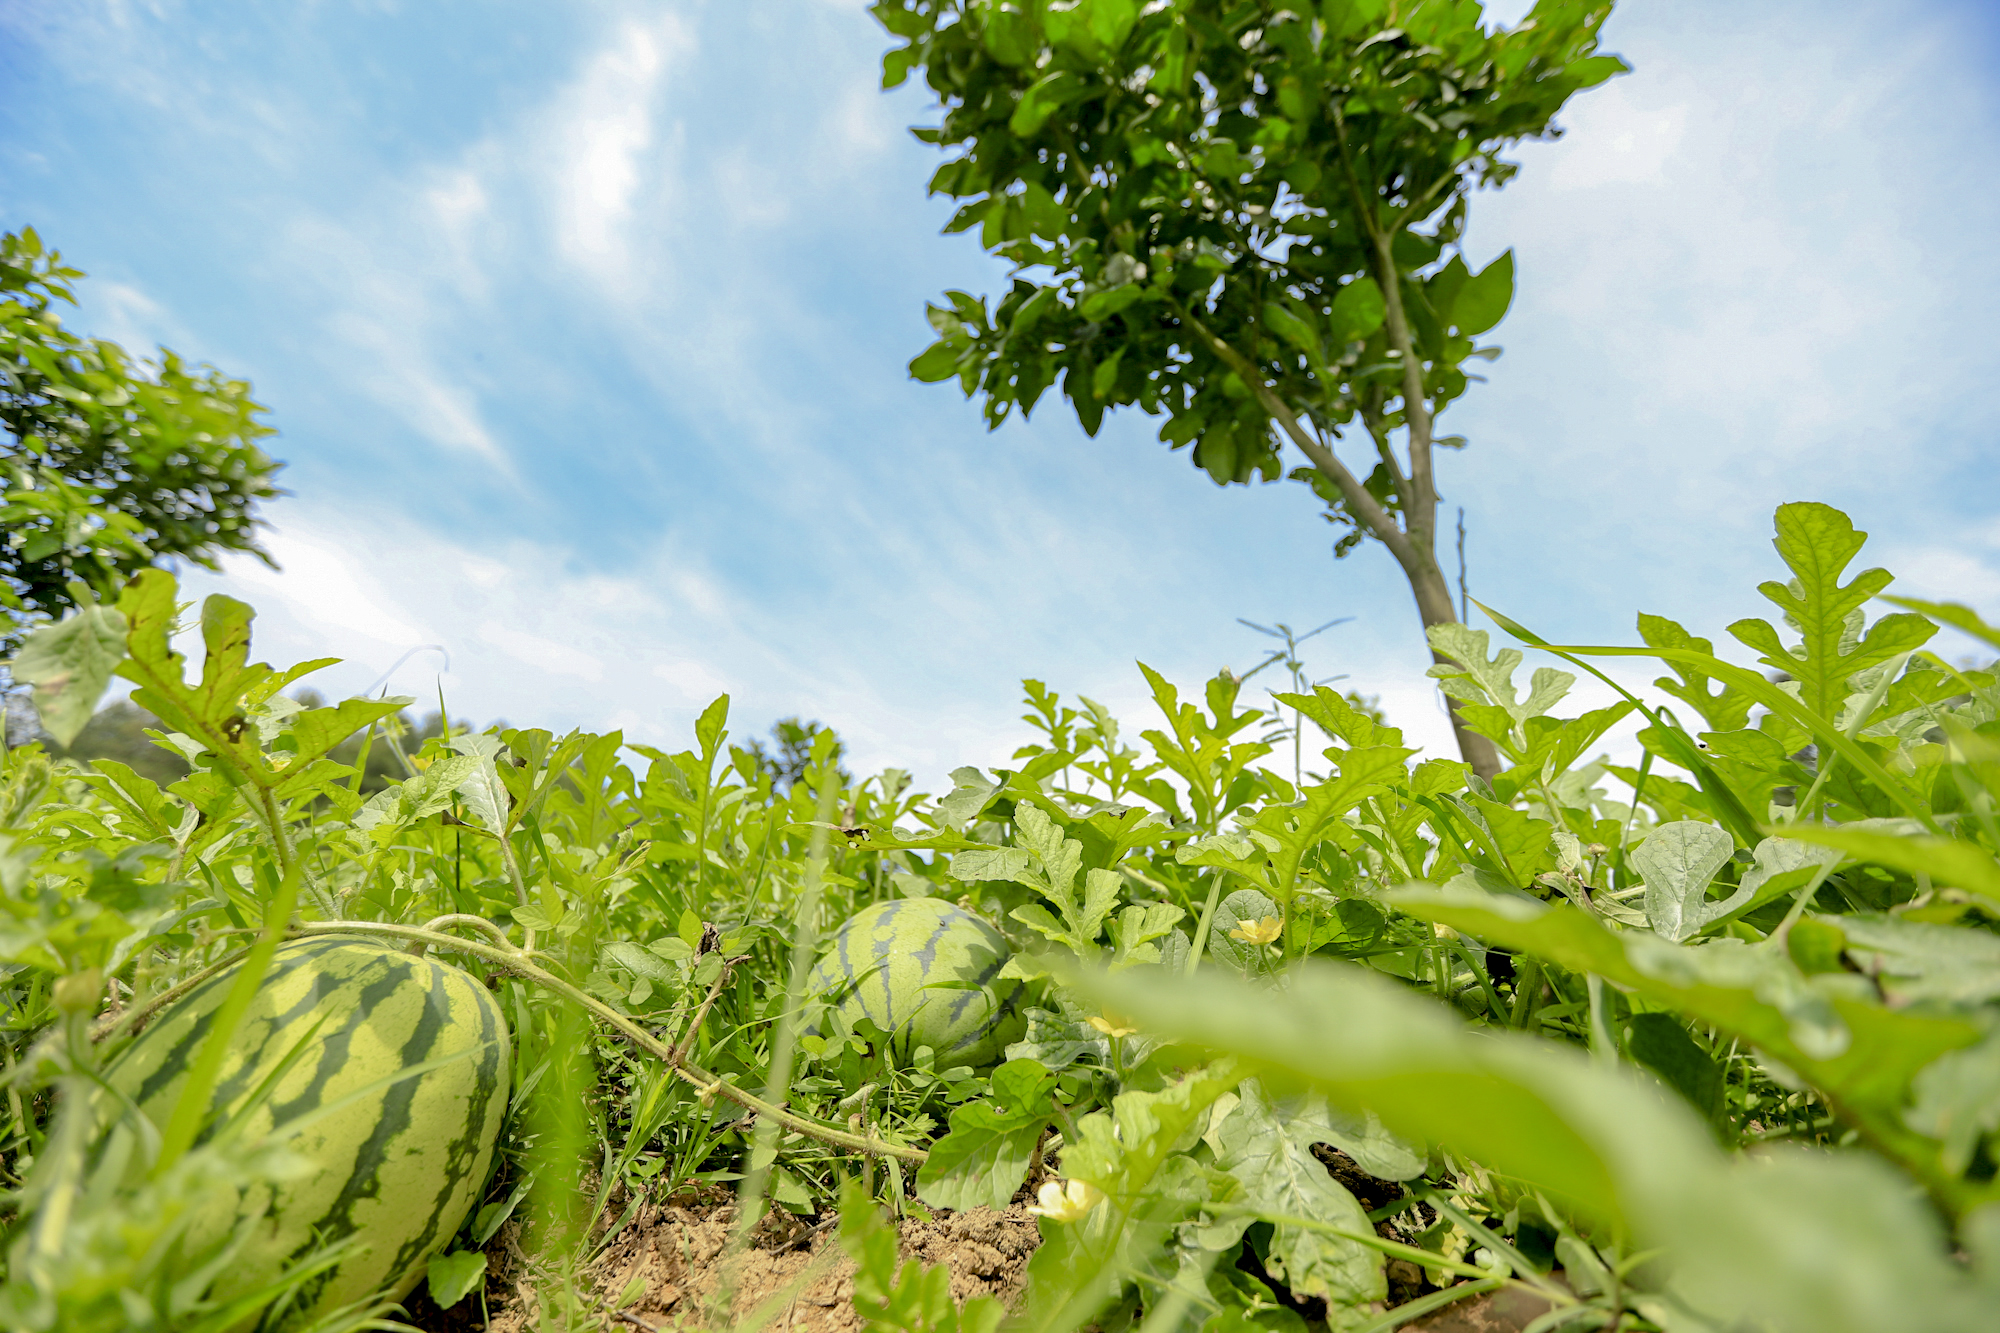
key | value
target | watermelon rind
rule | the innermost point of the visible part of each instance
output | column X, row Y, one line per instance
column 928, row 973
column 394, row 1162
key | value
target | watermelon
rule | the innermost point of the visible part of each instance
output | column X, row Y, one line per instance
column 400, row 1165
column 927, row 973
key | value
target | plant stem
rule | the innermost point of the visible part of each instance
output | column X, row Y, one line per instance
column 516, row 962
column 192, row 1107
column 1201, row 929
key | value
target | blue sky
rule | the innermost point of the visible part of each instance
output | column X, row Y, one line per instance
column 585, row 326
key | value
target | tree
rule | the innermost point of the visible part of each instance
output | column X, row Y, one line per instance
column 108, row 465
column 1244, row 215
column 792, row 752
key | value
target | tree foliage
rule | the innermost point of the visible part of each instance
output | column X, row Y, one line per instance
column 108, row 463
column 1235, row 213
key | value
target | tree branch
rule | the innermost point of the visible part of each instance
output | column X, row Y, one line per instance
column 1360, row 504
column 1371, row 418
column 1420, row 511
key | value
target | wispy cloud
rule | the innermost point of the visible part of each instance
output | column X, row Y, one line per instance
column 599, row 134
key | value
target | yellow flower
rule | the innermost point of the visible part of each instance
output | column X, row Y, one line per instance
column 1065, row 1201
column 1111, row 1025
column 1259, row 932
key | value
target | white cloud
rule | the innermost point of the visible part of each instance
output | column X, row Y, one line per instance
column 326, row 585
column 1737, row 289
column 600, row 130
column 401, row 378
column 653, row 647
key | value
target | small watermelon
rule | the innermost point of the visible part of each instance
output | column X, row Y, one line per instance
column 926, row 972
column 399, row 1166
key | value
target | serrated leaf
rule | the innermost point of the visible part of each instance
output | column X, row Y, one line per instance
column 979, row 864
column 1750, row 1235
column 1279, row 1175
column 1100, row 896
column 486, row 796
column 985, row 1157
column 1478, row 678
column 1818, row 541
column 1860, row 1055
column 1678, row 862
column 69, row 663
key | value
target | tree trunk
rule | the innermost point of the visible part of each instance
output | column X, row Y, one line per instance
column 1413, row 547
column 1434, row 607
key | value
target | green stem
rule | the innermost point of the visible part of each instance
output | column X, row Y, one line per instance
column 1201, row 930
column 139, row 1013
column 516, row 961
column 192, row 1107
column 1776, row 939
column 1423, row 1305
column 1527, row 993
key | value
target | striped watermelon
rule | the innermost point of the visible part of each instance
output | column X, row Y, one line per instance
column 926, row 972
column 399, row 1166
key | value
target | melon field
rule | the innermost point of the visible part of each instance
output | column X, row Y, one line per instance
column 1151, row 1029
column 1665, row 1000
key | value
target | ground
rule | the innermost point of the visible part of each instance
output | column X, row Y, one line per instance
column 797, row 1280
column 675, row 1254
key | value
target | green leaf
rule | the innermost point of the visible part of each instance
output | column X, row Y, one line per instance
column 1947, row 861
column 1280, row 1175
column 1921, row 963
column 1483, row 298
column 985, row 1157
column 1291, row 328
column 1127, row 1152
column 69, row 663
column 639, row 962
column 1954, row 614
column 1678, row 861
column 317, row 730
column 1956, row 1100
column 1818, row 541
column 1010, row 35
column 1749, row 1236
column 970, row 795
column 1339, row 719
column 1725, row 708
column 1232, row 912
column 1044, row 99
column 1478, row 678
column 1357, row 311
column 1100, row 306
column 711, row 727
column 937, row 362
column 455, row 1276
column 1835, row 1035
column 485, row 795
column 1661, row 1043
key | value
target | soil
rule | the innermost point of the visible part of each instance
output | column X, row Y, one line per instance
column 676, row 1252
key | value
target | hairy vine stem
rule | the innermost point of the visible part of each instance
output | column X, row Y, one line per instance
column 711, row 1085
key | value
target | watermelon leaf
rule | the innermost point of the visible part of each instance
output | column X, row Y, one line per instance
column 1818, row 541
column 69, row 663
column 986, row 1156
column 454, row 1276
column 1280, row 1175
